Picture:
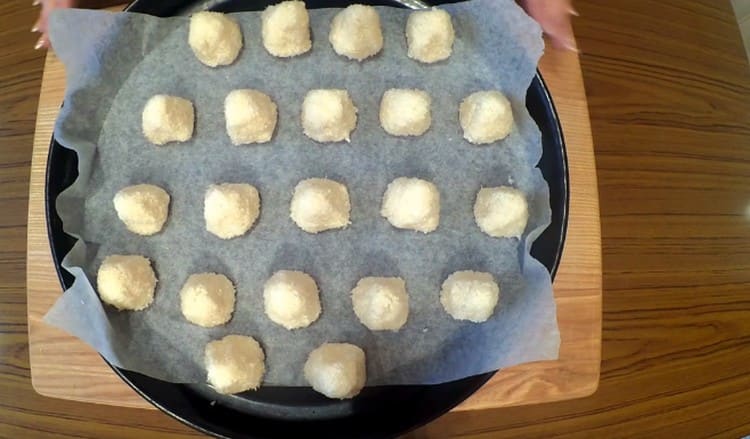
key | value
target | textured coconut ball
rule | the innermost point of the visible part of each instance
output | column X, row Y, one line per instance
column 320, row 204
column 411, row 203
column 215, row 38
column 337, row 370
column 470, row 295
column 143, row 208
column 286, row 29
column 501, row 211
column 291, row 299
column 485, row 117
column 207, row 299
column 250, row 115
column 355, row 32
column 381, row 303
column 405, row 112
column 230, row 209
column 126, row 282
column 234, row 364
column 168, row 119
column 328, row 115
column 429, row 35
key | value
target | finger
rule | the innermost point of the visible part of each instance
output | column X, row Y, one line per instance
column 561, row 34
column 47, row 7
column 43, row 41
column 554, row 18
column 41, row 23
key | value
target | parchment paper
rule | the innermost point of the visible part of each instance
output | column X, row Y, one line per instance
column 115, row 62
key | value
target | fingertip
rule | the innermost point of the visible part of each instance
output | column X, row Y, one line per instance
column 562, row 43
column 568, row 44
column 40, row 43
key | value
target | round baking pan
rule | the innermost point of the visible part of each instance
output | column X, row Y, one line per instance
column 277, row 412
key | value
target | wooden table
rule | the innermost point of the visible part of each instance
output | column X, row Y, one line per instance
column 667, row 84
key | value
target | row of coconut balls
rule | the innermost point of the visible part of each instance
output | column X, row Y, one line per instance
column 328, row 115
column 291, row 300
column 216, row 38
column 319, row 204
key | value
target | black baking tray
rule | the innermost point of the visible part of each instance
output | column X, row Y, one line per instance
column 278, row 412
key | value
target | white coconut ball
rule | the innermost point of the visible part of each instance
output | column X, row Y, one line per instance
column 429, row 35
column 320, row 204
column 355, row 32
column 470, row 295
column 167, row 119
column 207, row 299
column 234, row 364
column 216, row 39
column 328, row 115
column 337, row 370
column 143, row 208
column 411, row 203
column 231, row 209
column 286, row 29
column 250, row 116
column 291, row 299
column 126, row 282
column 485, row 116
column 501, row 211
column 381, row 303
column 405, row 112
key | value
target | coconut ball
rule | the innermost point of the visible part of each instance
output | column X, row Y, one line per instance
column 207, row 299
column 485, row 116
column 429, row 35
column 381, row 303
column 470, row 295
column 411, row 203
column 355, row 32
column 215, row 38
column 286, row 29
column 405, row 112
column 167, row 119
column 126, row 282
column 234, row 364
column 337, row 370
column 143, row 208
column 328, row 115
column 250, row 116
column 320, row 204
column 501, row 211
column 291, row 299
column 230, row 209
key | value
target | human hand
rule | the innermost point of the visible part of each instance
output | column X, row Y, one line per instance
column 41, row 23
column 554, row 17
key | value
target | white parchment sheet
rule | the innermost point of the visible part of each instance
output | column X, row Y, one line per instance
column 115, row 62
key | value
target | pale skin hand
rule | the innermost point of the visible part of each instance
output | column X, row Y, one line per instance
column 41, row 23
column 552, row 15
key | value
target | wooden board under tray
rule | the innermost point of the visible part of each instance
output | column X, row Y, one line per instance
column 62, row 366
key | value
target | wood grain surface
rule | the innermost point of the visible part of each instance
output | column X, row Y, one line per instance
column 667, row 84
column 62, row 366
